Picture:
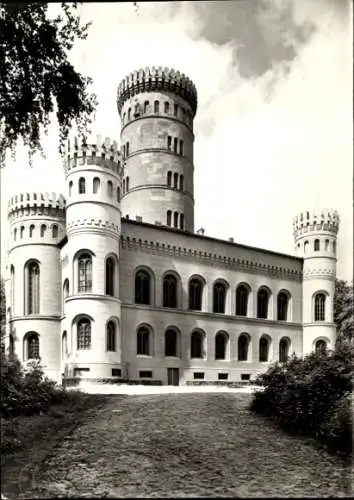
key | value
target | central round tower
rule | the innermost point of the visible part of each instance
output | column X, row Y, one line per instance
column 157, row 107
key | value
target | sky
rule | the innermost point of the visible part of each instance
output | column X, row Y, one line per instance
column 274, row 126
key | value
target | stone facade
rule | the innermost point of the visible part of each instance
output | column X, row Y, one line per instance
column 114, row 282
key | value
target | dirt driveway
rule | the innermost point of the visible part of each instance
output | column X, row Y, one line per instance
column 184, row 445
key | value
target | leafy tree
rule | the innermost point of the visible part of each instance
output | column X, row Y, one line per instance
column 36, row 76
column 2, row 311
column 343, row 309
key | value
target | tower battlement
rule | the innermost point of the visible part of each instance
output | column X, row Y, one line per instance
column 310, row 221
column 96, row 151
column 23, row 202
column 157, row 79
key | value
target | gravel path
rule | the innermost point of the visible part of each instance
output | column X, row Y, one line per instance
column 169, row 445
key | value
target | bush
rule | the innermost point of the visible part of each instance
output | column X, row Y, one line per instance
column 310, row 396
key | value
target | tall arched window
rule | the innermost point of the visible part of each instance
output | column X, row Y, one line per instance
column 327, row 245
column 118, row 194
column 82, row 185
column 146, row 106
column 84, row 334
column 181, row 221
column 31, row 346
column 169, row 215
column 43, row 230
column 156, row 107
column 70, row 187
column 111, row 336
column 181, row 182
column 129, row 114
column 169, row 291
column 284, row 347
column 143, row 341
column 22, row 231
column 175, row 219
column 15, row 234
column 197, row 348
column 195, row 294
column 110, row 270
column 316, row 245
column 320, row 307
column 123, row 186
column 169, row 178
column 264, row 345
column 175, row 180
column 306, row 246
column 32, row 277
column 31, row 229
column 171, row 338
column 142, row 287
column 219, row 296
column 55, row 231
column 127, row 184
column 64, row 346
column 220, row 345
column 334, row 245
column 241, row 300
column 12, row 274
column 96, row 185
column 243, row 347
column 109, row 189
column 262, row 303
column 320, row 346
column 65, row 293
column 167, row 107
column 85, row 273
column 282, row 306
column 127, row 148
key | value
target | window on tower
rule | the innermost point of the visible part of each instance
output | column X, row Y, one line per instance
column 181, row 182
column 84, row 334
column 109, row 189
column 316, row 245
column 32, row 280
column 96, row 185
column 181, row 147
column 175, row 144
column 175, row 110
column 129, row 114
column 181, row 221
column 169, row 178
column 127, row 149
column 127, row 184
column 320, row 306
column 110, row 272
column 146, row 106
column 175, row 180
column 156, row 107
column 82, row 185
column 175, row 219
column 167, row 107
column 111, row 336
column 85, row 273
column 169, row 142
column 169, row 215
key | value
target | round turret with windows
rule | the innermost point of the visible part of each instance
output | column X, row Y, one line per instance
column 315, row 235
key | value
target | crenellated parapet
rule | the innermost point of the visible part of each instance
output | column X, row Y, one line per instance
column 97, row 151
column 36, row 204
column 310, row 221
column 157, row 79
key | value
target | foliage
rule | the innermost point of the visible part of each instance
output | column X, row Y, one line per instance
column 2, row 310
column 310, row 396
column 344, row 309
column 36, row 76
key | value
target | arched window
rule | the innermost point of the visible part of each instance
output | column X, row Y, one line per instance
column 110, row 271
column 143, row 341
column 327, row 245
column 243, row 347
column 31, row 346
column 32, row 277
column 175, row 219
column 22, row 230
column 175, row 110
column 85, row 273
column 181, row 147
column 169, row 142
column 111, row 336
column 43, row 230
column 220, row 345
column 109, row 189
column 82, row 185
column 175, row 180
column 181, row 221
column 146, row 106
column 127, row 184
column 156, row 107
column 320, row 306
column 31, row 229
column 169, row 215
column 171, row 348
column 70, row 187
column 181, row 182
column 262, row 303
column 282, row 306
column 15, row 234
column 12, row 273
column 264, row 345
column 167, row 107
column 320, row 346
column 96, row 185
column 170, row 291
column 55, row 231
column 123, row 186
column 306, row 246
column 137, row 110
column 175, row 145
column 219, row 296
column 64, row 345
column 334, row 246
column 118, row 194
column 241, row 300
column 65, row 293
column 129, row 114
column 284, row 347
column 142, row 287
column 197, row 348
column 84, row 334
column 123, row 150
column 316, row 245
column 195, row 294
column 127, row 148
column 169, row 178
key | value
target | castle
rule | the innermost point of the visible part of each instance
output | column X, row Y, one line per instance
column 114, row 281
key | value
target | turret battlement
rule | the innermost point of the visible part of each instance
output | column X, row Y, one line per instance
column 97, row 151
column 26, row 201
column 310, row 221
column 157, row 79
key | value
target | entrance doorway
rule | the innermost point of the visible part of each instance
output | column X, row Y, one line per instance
column 172, row 376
